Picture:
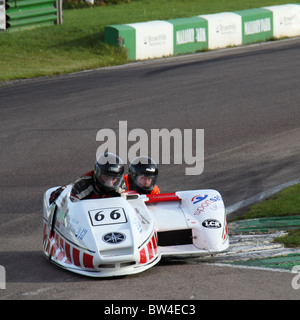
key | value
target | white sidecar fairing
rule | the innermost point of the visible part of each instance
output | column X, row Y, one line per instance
column 99, row 238
column 190, row 222
column 126, row 235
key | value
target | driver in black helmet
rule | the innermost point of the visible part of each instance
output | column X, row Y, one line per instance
column 142, row 175
column 103, row 182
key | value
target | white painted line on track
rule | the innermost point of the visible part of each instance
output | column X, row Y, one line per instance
column 36, row 292
column 249, row 267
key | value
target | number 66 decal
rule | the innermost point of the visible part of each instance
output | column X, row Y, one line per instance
column 100, row 217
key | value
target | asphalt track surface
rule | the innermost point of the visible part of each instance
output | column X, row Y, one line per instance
column 246, row 100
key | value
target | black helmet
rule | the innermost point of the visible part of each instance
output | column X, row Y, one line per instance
column 143, row 172
column 108, row 172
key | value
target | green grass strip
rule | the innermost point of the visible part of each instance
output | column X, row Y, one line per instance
column 78, row 44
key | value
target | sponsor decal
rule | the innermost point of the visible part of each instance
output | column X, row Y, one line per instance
column 211, row 202
column 190, row 35
column 226, row 29
column 257, row 26
column 211, row 223
column 288, row 21
column 200, row 35
column 198, row 198
column 80, row 233
column 155, row 40
column 114, row 237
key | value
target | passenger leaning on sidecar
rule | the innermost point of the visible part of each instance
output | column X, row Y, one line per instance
column 106, row 180
column 142, row 175
column 103, row 182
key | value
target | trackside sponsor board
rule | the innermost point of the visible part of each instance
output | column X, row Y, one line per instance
column 286, row 20
column 190, row 34
column 121, row 36
column 2, row 15
column 154, row 39
column 257, row 25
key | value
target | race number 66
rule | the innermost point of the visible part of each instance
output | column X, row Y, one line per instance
column 100, row 217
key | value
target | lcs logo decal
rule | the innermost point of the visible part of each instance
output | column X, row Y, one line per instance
column 211, row 223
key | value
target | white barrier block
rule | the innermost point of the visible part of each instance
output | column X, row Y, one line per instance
column 2, row 16
column 224, row 29
column 154, row 39
column 286, row 20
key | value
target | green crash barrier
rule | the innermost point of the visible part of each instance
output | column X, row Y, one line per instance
column 28, row 14
column 190, row 34
column 122, row 36
column 257, row 25
column 286, row 20
column 202, row 32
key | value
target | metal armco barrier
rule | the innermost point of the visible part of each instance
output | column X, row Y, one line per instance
column 29, row 14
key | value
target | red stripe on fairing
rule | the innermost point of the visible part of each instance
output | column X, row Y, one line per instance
column 60, row 256
column 154, row 245
column 53, row 249
column 150, row 250
column 62, row 250
column 76, row 258
column 61, row 244
column 48, row 246
column 143, row 256
column 225, row 230
column 88, row 260
column 68, row 252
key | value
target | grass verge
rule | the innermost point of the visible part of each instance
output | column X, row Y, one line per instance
column 78, row 44
column 285, row 203
column 291, row 240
